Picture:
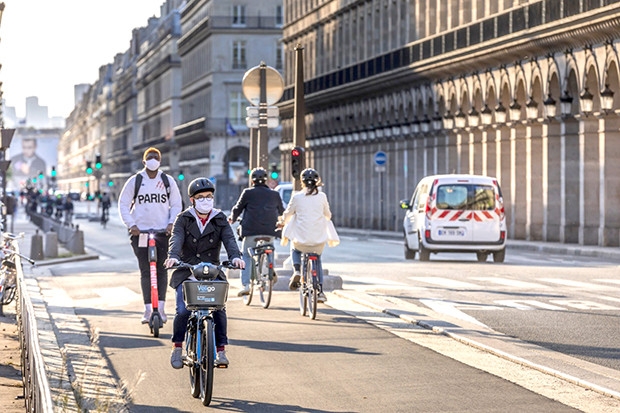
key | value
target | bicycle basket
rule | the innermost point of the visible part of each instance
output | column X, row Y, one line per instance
column 205, row 294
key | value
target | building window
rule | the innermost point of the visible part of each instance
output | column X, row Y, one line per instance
column 238, row 15
column 236, row 108
column 239, row 61
column 279, row 16
column 279, row 56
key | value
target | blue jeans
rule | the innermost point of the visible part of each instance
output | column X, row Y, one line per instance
column 179, row 326
column 296, row 257
column 249, row 242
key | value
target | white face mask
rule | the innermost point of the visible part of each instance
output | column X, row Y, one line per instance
column 152, row 164
column 204, row 206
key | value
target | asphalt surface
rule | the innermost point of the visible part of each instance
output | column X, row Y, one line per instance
column 602, row 380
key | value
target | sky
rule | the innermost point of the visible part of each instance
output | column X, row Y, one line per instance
column 48, row 46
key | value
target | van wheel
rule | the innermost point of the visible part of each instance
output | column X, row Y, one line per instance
column 499, row 255
column 409, row 253
column 425, row 254
column 482, row 256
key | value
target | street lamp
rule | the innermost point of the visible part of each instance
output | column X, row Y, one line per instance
column 437, row 121
column 550, row 107
column 586, row 101
column 607, row 99
column 566, row 104
column 515, row 111
column 486, row 115
column 500, row 114
column 531, row 109
column 448, row 121
column 459, row 119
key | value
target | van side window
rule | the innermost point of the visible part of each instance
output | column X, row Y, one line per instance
column 422, row 195
column 414, row 200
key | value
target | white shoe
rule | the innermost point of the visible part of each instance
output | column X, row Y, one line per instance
column 244, row 291
column 293, row 284
column 176, row 358
column 148, row 310
column 163, row 315
column 221, row 359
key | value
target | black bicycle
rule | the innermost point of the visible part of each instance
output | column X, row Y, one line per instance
column 8, row 268
column 202, row 297
column 263, row 275
column 310, row 287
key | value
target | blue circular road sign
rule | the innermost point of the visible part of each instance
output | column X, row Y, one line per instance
column 380, row 158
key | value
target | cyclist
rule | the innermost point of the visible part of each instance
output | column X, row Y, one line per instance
column 307, row 224
column 152, row 205
column 197, row 236
column 105, row 207
column 261, row 206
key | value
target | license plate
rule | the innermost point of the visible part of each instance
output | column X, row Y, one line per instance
column 452, row 232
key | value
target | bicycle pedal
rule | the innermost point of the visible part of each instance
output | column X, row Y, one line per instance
column 221, row 366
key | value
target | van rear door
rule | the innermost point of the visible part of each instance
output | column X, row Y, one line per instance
column 447, row 215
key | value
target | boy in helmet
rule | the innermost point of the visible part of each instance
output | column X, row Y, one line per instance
column 197, row 236
column 261, row 206
column 306, row 222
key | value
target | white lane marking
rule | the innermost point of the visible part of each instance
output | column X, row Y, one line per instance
column 117, row 296
column 528, row 305
column 449, row 308
column 585, row 305
column 511, row 283
column 577, row 284
column 447, row 282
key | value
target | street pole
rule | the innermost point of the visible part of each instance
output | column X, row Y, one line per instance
column 299, row 125
column 263, row 139
column 253, row 147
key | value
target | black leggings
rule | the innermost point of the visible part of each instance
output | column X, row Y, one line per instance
column 142, row 253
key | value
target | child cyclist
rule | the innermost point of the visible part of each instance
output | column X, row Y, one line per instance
column 197, row 236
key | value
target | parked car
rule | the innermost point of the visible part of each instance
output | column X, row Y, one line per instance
column 455, row 213
column 286, row 190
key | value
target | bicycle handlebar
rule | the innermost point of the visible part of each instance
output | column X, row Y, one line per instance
column 205, row 270
column 10, row 251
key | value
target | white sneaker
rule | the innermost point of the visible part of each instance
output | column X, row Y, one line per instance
column 176, row 358
column 321, row 298
column 221, row 359
column 244, row 291
column 163, row 315
column 148, row 310
column 293, row 284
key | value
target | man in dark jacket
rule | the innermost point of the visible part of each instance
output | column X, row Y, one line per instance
column 261, row 206
column 197, row 236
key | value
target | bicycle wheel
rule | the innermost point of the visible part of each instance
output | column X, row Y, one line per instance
column 313, row 289
column 207, row 362
column 247, row 299
column 265, row 285
column 303, row 290
column 194, row 368
column 155, row 323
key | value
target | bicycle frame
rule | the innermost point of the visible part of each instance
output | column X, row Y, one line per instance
column 262, row 271
column 308, row 292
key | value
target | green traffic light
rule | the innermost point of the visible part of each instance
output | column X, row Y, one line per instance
column 274, row 175
column 181, row 176
column 98, row 165
column 89, row 170
column 111, row 184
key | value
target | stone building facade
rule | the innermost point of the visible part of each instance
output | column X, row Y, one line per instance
column 521, row 90
column 178, row 88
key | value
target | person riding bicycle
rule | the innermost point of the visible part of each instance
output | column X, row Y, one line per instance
column 152, row 205
column 261, row 206
column 197, row 236
column 306, row 222
column 105, row 206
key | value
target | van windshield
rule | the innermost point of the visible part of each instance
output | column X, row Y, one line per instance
column 466, row 196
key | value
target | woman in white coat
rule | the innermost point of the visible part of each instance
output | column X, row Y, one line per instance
column 307, row 224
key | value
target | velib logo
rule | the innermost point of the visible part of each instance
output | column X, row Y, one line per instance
column 202, row 288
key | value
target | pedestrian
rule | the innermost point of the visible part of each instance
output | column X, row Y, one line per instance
column 150, row 201
column 260, row 207
column 197, row 236
column 306, row 222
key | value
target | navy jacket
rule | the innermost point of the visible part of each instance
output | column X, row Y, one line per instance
column 188, row 245
column 261, row 206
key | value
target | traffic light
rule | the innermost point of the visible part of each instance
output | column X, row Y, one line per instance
column 274, row 172
column 98, row 161
column 89, row 167
column 53, row 174
column 181, row 175
column 297, row 161
column 110, row 183
column 41, row 175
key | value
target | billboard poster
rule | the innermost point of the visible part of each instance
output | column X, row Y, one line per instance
column 31, row 154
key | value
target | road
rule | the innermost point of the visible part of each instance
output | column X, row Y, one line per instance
column 353, row 358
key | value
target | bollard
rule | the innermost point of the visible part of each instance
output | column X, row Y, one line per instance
column 36, row 246
column 51, row 245
column 76, row 242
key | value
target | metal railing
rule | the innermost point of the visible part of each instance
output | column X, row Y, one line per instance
column 37, row 393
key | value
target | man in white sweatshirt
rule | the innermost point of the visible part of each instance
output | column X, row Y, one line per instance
column 151, row 206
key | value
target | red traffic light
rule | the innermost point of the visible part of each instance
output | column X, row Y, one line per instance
column 295, row 152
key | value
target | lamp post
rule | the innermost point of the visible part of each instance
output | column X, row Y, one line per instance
column 607, row 99
column 566, row 103
column 550, row 108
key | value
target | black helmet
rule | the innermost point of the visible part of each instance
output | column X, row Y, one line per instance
column 310, row 177
column 200, row 185
column 258, row 175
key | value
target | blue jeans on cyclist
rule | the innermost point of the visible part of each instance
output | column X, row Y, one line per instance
column 249, row 241
column 296, row 258
column 179, row 327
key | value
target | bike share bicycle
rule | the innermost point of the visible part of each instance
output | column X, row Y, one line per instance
column 8, row 268
column 205, row 294
column 155, row 321
column 262, row 276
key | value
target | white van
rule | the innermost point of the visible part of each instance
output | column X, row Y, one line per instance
column 455, row 213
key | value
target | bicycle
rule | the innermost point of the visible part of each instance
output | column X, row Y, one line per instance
column 8, row 268
column 309, row 289
column 202, row 297
column 263, row 275
column 105, row 216
column 156, row 321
